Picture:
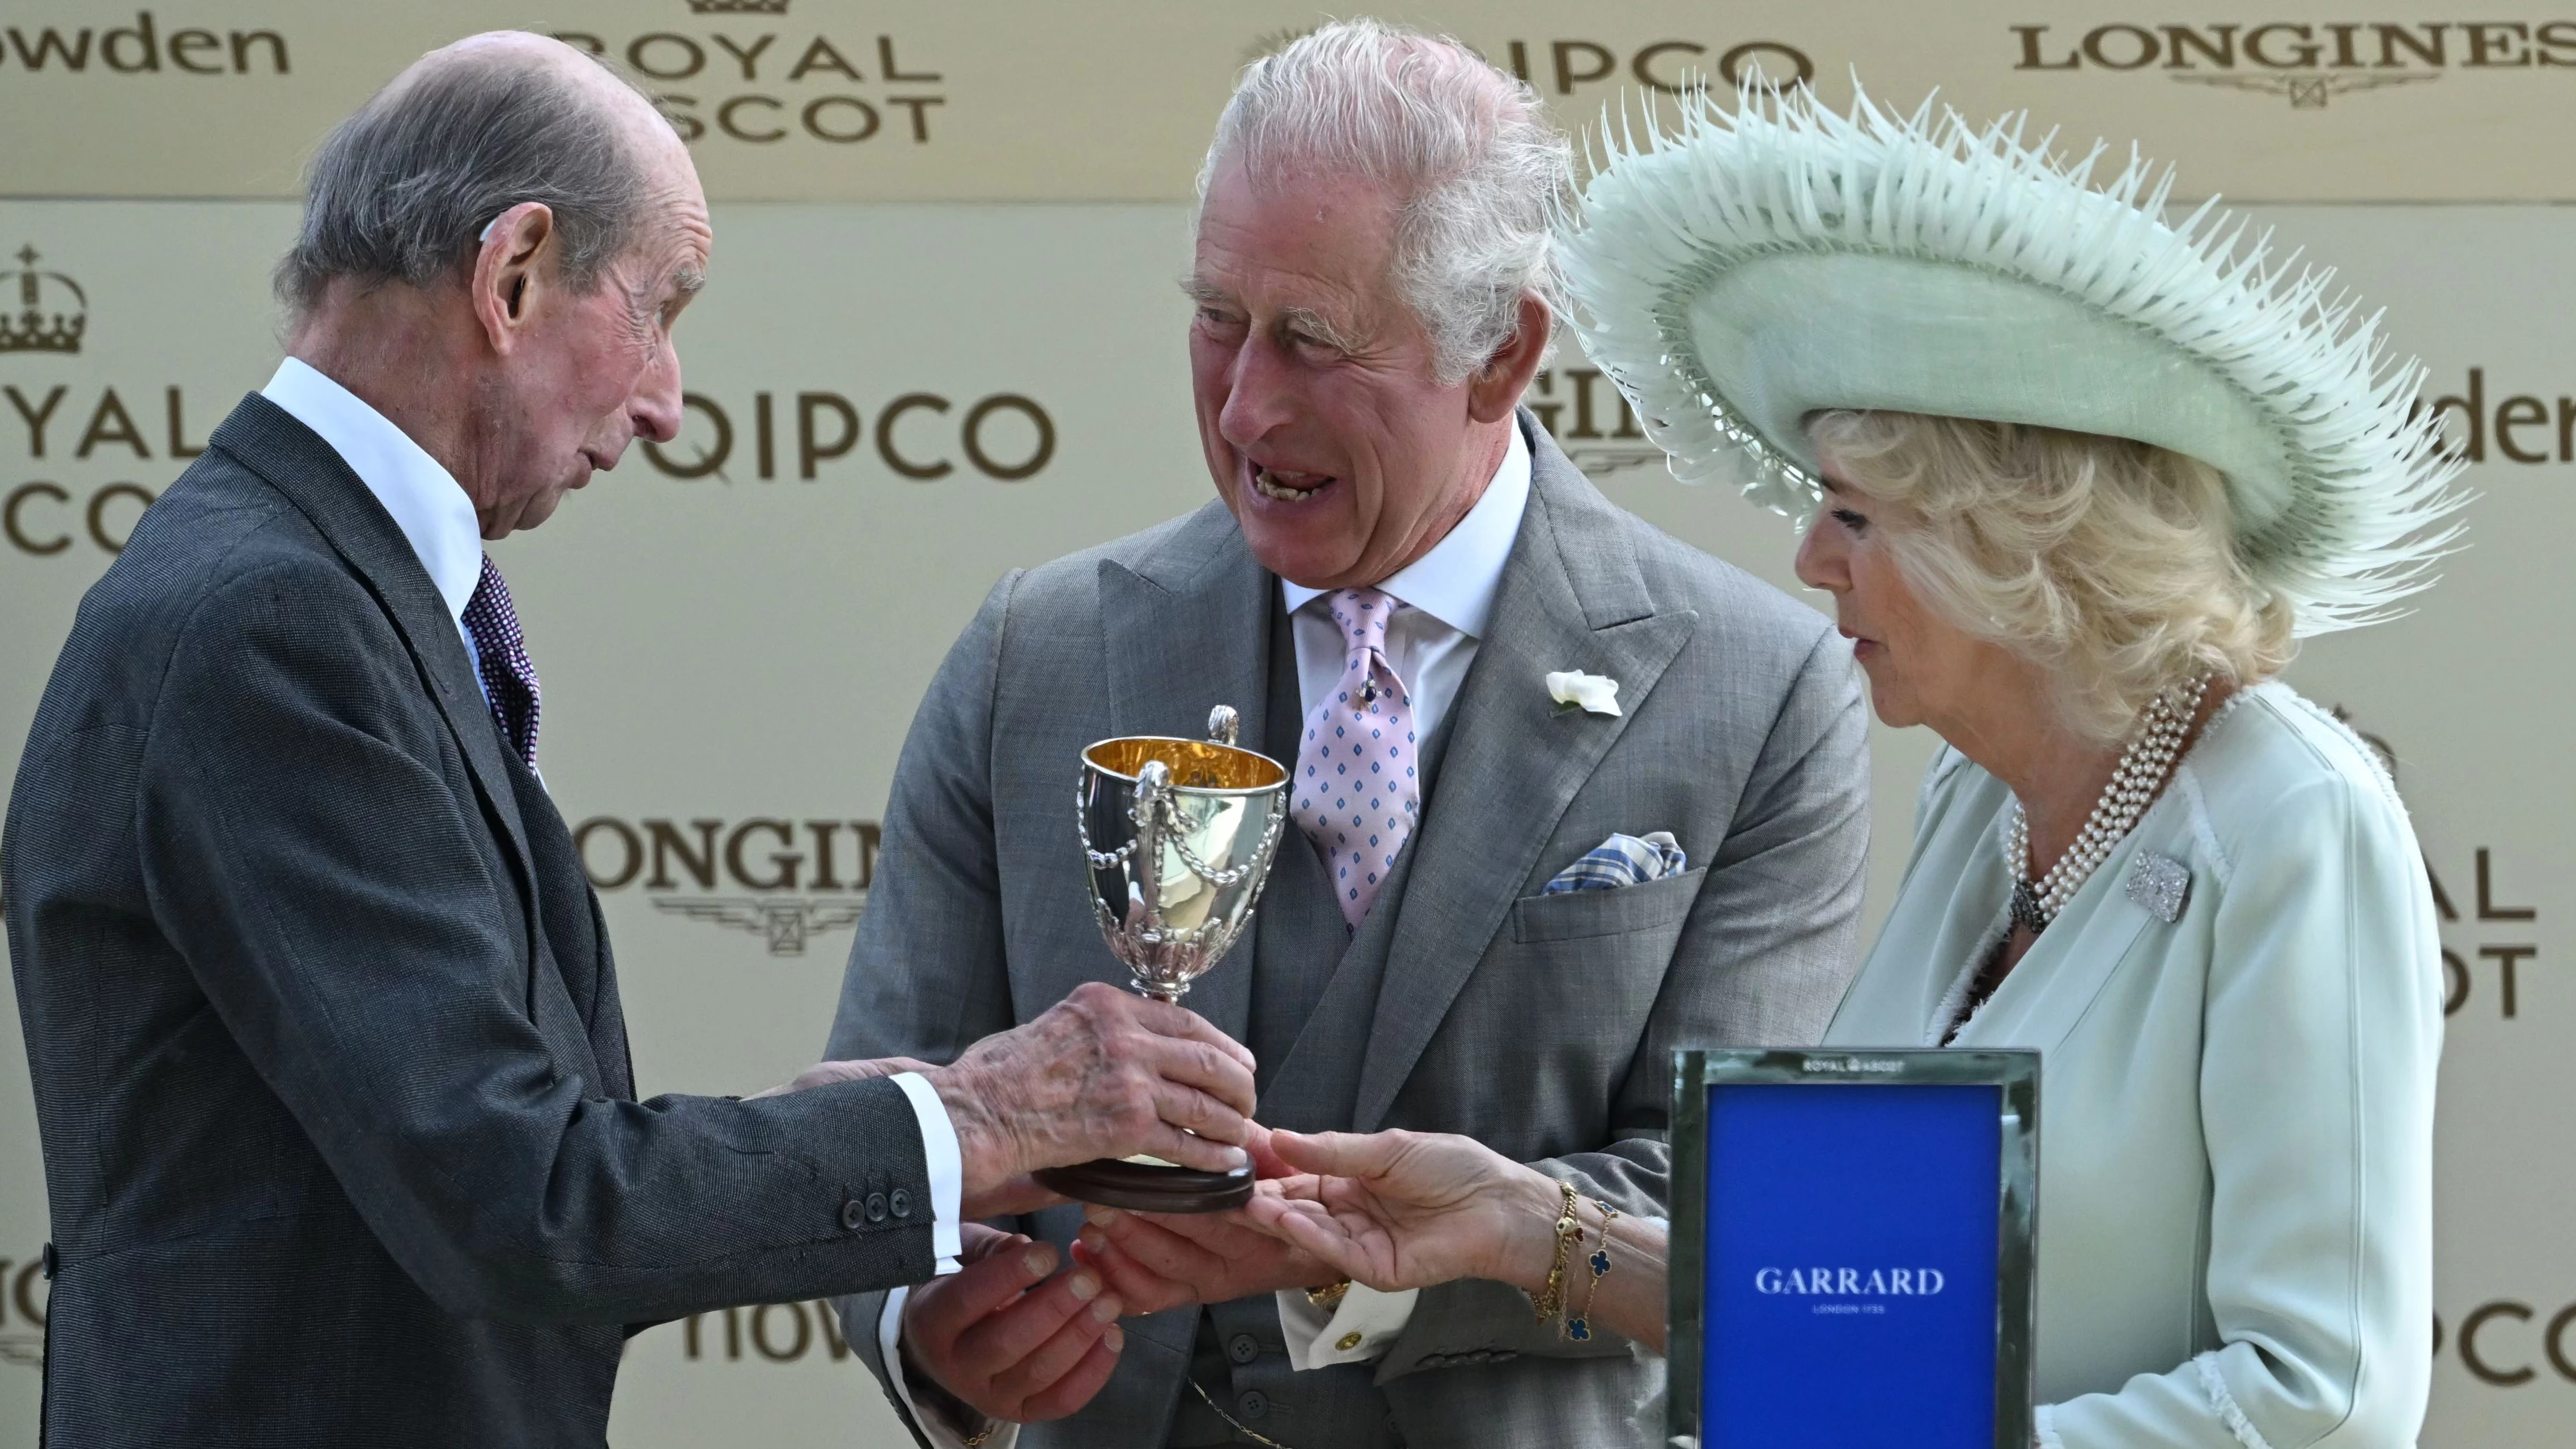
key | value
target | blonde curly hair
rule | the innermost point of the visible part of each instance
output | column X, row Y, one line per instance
column 2111, row 563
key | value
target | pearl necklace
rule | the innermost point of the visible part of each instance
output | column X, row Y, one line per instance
column 2134, row 786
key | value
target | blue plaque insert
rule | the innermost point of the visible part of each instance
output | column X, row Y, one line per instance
column 1851, row 1261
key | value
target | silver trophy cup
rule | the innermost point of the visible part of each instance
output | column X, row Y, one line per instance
column 1177, row 836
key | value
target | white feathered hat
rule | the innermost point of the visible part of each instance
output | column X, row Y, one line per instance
column 1743, row 270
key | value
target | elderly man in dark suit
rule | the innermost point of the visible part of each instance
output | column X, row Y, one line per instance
column 1398, row 558
column 339, row 1126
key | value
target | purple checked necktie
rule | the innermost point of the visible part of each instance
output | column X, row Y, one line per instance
column 509, row 680
column 1357, row 796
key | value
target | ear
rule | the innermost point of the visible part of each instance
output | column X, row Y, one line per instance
column 513, row 262
column 1495, row 389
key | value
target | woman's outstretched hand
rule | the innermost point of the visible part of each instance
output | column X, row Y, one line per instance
column 1398, row 1210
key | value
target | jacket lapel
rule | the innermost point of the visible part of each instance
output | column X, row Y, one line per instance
column 268, row 440
column 1572, row 597
column 1185, row 630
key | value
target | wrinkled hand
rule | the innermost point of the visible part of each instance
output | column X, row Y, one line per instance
column 1156, row 1261
column 1398, row 1210
column 1005, row 1340
column 1102, row 1074
column 823, row 1074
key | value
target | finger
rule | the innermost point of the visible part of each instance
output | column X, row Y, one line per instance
column 942, row 1310
column 1142, row 1289
column 1304, row 1187
column 1317, row 1236
column 1197, row 1112
column 1197, row 1065
column 976, row 1242
column 1221, row 1233
column 1076, row 1388
column 1266, row 1161
column 1056, row 1357
column 1174, row 1145
column 1268, row 1213
column 1006, row 1337
column 1179, row 1021
column 1160, row 1249
column 1337, row 1154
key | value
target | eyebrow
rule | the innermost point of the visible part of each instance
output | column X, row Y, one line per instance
column 1322, row 328
column 1304, row 319
column 689, row 281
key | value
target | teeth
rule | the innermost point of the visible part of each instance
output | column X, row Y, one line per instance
column 1270, row 485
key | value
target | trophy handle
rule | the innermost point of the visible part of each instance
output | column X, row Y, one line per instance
column 1222, row 724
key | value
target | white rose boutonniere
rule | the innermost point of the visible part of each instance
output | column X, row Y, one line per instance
column 1597, row 694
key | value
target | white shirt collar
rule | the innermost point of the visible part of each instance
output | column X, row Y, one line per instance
column 1457, row 580
column 427, row 504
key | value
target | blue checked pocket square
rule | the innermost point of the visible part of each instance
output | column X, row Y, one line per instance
column 1622, row 860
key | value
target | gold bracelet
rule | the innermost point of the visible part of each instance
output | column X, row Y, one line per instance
column 1329, row 1297
column 1579, row 1327
column 1569, row 1233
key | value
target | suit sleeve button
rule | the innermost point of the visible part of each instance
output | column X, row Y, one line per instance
column 853, row 1215
column 876, row 1207
column 900, row 1204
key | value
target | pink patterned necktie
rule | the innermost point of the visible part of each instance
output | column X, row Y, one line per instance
column 509, row 680
column 1357, row 796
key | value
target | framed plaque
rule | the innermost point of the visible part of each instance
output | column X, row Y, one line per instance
column 1851, row 1248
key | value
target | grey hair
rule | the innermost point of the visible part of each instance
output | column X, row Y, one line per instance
column 401, row 191
column 1480, row 168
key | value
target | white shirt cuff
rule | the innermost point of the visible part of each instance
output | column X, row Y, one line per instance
column 947, row 1167
column 1359, row 1331
column 934, row 1427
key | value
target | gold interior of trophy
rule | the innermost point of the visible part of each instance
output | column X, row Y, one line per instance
column 1195, row 764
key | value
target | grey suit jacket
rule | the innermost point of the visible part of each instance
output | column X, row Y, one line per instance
column 1467, row 1001
column 339, row 1128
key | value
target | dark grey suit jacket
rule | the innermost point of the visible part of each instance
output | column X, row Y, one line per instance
column 339, row 1127
column 1468, row 1001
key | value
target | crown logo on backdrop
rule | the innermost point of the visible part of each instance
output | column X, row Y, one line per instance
column 30, row 328
column 739, row 7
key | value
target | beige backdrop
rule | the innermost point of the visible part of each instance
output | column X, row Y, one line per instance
column 733, row 632
column 877, row 100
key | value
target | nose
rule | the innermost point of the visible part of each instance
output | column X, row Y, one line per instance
column 1256, row 395
column 655, row 405
column 1822, row 563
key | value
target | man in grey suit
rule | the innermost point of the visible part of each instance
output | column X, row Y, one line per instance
column 1398, row 560
column 341, row 1137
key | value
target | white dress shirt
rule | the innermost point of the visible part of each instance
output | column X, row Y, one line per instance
column 1443, row 600
column 437, row 520
column 435, row 516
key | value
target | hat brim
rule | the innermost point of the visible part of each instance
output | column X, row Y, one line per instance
column 1781, row 338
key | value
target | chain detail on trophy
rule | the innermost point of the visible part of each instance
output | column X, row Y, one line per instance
column 1192, row 826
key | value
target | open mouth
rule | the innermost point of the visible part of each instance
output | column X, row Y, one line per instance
column 1284, row 485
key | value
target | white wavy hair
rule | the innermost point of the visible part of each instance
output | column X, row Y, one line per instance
column 1482, row 170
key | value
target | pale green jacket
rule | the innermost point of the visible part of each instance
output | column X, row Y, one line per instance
column 2236, row 1108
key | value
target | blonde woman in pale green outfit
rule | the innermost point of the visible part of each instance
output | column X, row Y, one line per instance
column 2078, row 482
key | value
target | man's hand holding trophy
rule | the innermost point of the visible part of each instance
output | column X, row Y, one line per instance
column 1129, row 1100
column 1177, row 836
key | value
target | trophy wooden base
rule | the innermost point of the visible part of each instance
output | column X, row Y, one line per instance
column 1148, row 1188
